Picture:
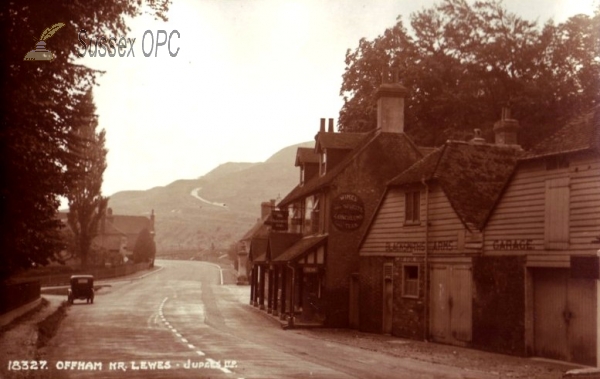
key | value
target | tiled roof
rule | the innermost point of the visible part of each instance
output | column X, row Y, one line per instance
column 108, row 242
column 306, row 155
column 582, row 133
column 259, row 229
column 258, row 249
column 471, row 175
column 382, row 151
column 300, row 247
column 280, row 242
column 129, row 224
column 345, row 141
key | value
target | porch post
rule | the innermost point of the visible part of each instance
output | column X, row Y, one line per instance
column 270, row 296
column 275, row 289
column 252, row 284
column 261, row 299
column 284, row 287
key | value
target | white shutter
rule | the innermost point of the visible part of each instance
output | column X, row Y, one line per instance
column 557, row 214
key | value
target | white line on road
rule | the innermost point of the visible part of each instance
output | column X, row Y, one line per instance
column 200, row 353
column 191, row 346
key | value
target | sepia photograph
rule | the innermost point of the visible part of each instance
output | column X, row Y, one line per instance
column 300, row 189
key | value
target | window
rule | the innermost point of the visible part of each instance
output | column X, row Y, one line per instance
column 556, row 223
column 302, row 175
column 323, row 162
column 316, row 220
column 410, row 281
column 412, row 207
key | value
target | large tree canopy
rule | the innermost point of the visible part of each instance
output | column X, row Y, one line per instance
column 37, row 116
column 463, row 62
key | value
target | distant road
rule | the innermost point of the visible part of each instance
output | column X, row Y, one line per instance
column 195, row 193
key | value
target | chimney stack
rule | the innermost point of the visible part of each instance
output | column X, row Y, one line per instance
column 390, row 104
column 330, row 128
column 506, row 130
column 322, row 128
column 265, row 209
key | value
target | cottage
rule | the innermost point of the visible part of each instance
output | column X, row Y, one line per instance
column 538, row 276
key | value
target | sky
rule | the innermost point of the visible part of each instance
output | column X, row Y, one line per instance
column 250, row 78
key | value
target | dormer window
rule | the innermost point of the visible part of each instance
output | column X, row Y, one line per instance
column 323, row 162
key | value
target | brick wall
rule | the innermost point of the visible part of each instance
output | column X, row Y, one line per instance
column 499, row 304
column 409, row 313
column 371, row 294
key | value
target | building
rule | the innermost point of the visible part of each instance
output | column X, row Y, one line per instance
column 340, row 184
column 417, row 255
column 488, row 246
column 537, row 291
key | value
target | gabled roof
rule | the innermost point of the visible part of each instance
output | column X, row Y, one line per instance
column 582, row 133
column 129, row 224
column 381, row 151
column 258, row 249
column 471, row 175
column 109, row 242
column 280, row 242
column 343, row 141
column 299, row 248
column 259, row 229
column 306, row 155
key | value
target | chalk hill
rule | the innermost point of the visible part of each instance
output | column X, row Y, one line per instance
column 185, row 222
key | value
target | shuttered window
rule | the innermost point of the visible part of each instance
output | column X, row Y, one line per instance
column 412, row 207
column 556, row 228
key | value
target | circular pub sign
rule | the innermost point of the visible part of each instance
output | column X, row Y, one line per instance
column 347, row 212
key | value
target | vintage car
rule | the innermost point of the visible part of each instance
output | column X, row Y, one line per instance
column 82, row 288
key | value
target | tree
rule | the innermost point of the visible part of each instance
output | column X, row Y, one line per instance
column 461, row 63
column 86, row 203
column 38, row 103
column 145, row 247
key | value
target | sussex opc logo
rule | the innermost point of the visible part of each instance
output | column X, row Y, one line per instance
column 41, row 53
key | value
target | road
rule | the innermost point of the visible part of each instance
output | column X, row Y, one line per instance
column 181, row 323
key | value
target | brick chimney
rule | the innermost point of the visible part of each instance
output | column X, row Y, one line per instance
column 506, row 130
column 322, row 128
column 266, row 207
column 330, row 127
column 390, row 104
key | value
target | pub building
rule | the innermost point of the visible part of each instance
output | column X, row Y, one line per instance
column 314, row 282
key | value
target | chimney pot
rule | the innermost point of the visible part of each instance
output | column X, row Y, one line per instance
column 330, row 128
column 322, row 128
column 478, row 139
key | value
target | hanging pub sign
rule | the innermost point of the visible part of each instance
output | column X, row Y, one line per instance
column 279, row 220
column 347, row 212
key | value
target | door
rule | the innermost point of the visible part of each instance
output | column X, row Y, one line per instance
column 388, row 297
column 450, row 316
column 354, row 302
column 564, row 316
